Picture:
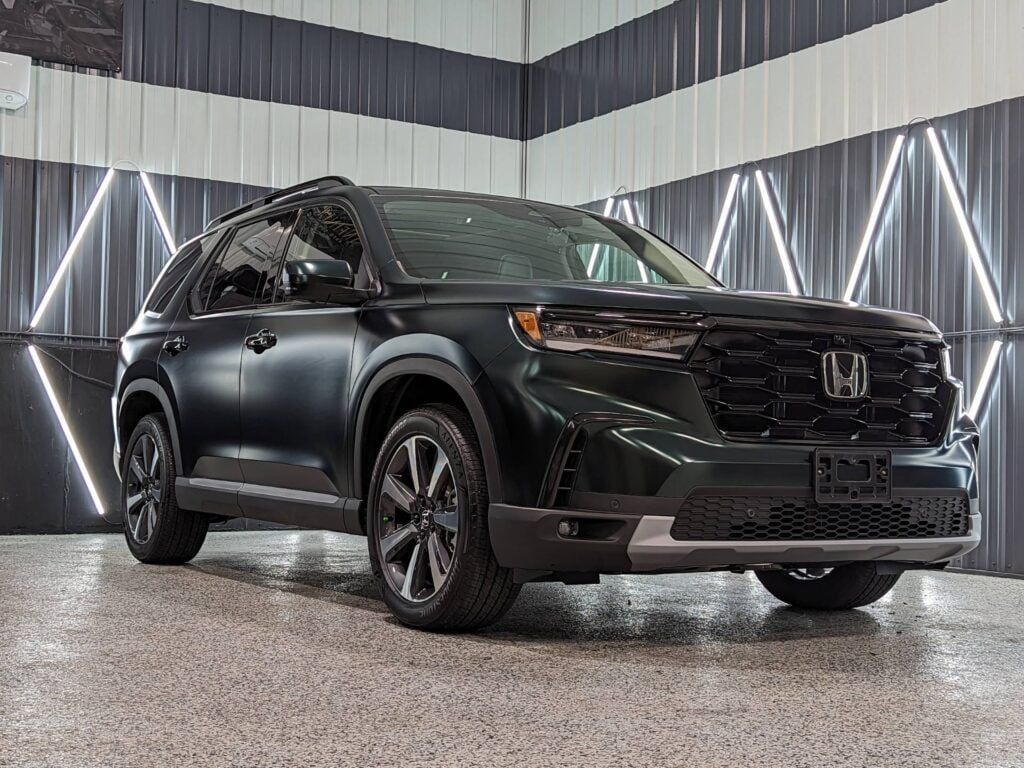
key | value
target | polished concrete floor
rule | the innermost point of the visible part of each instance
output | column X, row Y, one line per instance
column 272, row 649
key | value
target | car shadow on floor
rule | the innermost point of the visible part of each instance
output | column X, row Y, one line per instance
column 672, row 611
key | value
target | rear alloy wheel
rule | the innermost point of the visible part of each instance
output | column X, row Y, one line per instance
column 829, row 589
column 143, row 489
column 427, row 525
column 156, row 529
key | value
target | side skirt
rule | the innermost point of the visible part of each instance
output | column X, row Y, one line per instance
column 305, row 509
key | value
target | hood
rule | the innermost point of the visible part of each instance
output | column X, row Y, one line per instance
column 716, row 301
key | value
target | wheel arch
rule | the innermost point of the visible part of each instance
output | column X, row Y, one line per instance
column 383, row 392
column 137, row 400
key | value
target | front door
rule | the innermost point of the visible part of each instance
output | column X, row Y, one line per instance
column 295, row 382
column 201, row 361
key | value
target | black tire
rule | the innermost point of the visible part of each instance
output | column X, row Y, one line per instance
column 845, row 587
column 173, row 535
column 476, row 590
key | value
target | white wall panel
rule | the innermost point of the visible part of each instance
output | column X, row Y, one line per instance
column 314, row 131
column 426, row 157
column 225, row 128
column 398, row 153
column 875, row 79
column 556, row 24
column 88, row 120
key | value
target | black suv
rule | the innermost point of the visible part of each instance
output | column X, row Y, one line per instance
column 498, row 391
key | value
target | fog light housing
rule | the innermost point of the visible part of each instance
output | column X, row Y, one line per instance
column 568, row 528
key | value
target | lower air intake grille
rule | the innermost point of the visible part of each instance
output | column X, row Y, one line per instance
column 766, row 385
column 794, row 518
column 567, row 477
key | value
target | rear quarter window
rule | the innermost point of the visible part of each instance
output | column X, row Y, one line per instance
column 174, row 274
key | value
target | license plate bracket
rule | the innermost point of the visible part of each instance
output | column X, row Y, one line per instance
column 842, row 477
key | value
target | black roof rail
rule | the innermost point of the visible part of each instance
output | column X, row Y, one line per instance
column 324, row 182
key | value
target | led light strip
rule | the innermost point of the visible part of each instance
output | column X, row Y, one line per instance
column 876, row 212
column 965, row 227
column 158, row 213
column 723, row 217
column 626, row 207
column 66, row 428
column 76, row 240
column 609, row 204
column 788, row 265
column 981, row 389
column 62, row 268
column 69, row 254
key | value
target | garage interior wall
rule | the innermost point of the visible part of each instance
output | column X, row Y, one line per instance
column 569, row 101
column 218, row 105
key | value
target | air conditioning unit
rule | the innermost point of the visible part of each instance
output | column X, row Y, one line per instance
column 15, row 80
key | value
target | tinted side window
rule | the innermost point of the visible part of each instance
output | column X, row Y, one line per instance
column 175, row 272
column 323, row 232
column 237, row 275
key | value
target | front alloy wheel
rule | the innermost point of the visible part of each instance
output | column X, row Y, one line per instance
column 419, row 519
column 427, row 525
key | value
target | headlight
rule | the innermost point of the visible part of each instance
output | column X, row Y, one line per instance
column 665, row 336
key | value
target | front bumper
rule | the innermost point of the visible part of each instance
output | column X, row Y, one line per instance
column 527, row 539
column 652, row 548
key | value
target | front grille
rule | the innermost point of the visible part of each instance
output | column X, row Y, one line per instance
column 766, row 385
column 713, row 517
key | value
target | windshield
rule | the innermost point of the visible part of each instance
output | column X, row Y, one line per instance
column 452, row 238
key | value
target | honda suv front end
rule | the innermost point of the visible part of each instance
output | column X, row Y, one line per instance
column 498, row 391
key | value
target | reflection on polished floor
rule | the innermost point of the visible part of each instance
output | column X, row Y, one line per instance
column 273, row 649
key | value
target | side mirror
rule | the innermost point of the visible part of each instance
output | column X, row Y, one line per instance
column 322, row 280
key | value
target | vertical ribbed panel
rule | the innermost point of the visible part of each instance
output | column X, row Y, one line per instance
column 121, row 250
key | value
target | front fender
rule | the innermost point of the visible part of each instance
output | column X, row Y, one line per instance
column 441, row 358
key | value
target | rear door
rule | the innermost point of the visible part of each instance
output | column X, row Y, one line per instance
column 201, row 359
column 294, row 393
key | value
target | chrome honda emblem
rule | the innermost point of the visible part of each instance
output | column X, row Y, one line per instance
column 844, row 374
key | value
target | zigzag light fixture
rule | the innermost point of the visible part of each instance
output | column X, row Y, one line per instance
column 978, row 263
column 970, row 239
column 723, row 218
column 55, row 281
column 76, row 452
column 953, row 196
column 985, row 382
column 876, row 212
column 794, row 280
column 76, row 240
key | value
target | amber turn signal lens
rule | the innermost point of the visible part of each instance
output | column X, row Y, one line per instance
column 528, row 322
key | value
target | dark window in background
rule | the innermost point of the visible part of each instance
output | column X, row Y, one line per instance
column 238, row 273
column 87, row 33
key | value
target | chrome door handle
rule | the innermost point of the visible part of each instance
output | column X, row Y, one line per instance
column 261, row 340
column 173, row 346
